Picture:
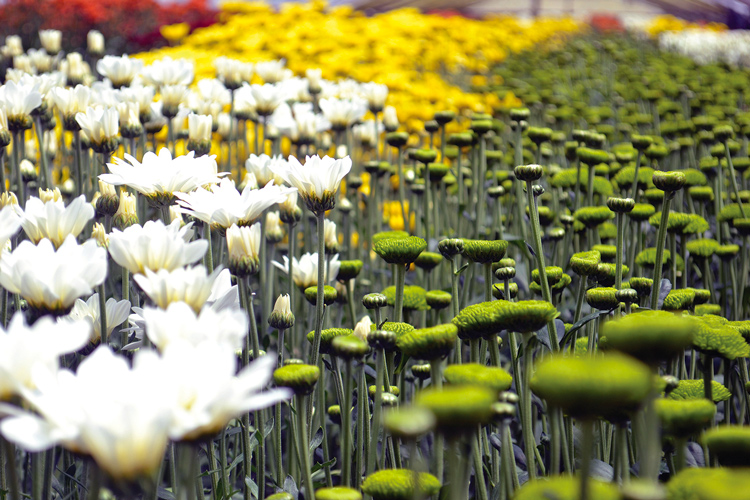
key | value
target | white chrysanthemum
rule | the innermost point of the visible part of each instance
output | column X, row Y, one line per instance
column 317, row 181
column 212, row 90
column 169, row 71
column 305, row 270
column 260, row 166
column 343, row 112
column 119, row 70
column 99, row 124
column 54, row 221
column 375, row 94
column 208, row 392
column 267, row 98
column 71, row 101
column 223, row 205
column 232, row 72
column 23, row 348
column 178, row 322
column 10, row 222
column 140, row 94
column 163, row 175
column 199, row 127
column 192, row 285
column 390, row 118
column 50, row 279
column 95, row 42
column 51, row 40
column 362, row 328
column 19, row 99
column 117, row 312
column 155, row 246
column 273, row 71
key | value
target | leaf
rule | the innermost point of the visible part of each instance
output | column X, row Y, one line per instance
column 239, row 458
column 291, row 487
column 601, row 470
column 496, row 441
column 164, row 493
column 316, row 440
column 462, row 269
column 665, row 286
column 269, row 427
column 543, row 337
column 253, row 487
column 578, row 325
column 318, row 466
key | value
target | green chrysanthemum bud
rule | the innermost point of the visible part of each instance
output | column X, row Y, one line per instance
column 384, row 235
column 727, row 252
column 300, row 378
column 606, row 273
column 421, row 372
column 443, row 117
column 669, row 182
column 461, row 139
column 431, row 126
column 723, row 132
column 382, row 339
column 409, row 423
column 684, row 418
column 716, row 338
column 679, row 300
column 627, row 296
column 414, row 297
column 676, row 221
column 438, row 299
column 651, row 336
column 690, row 390
column 338, row 493
column 399, row 484
column 483, row 320
column 647, row 258
column 539, row 135
column 706, row 309
column 334, row 413
column 424, row 155
column 642, row 211
column 565, row 488
column 527, row 173
column 519, row 114
column 620, row 205
column 593, row 216
column 329, row 295
column 654, row 196
column 327, row 336
column 656, row 152
column 641, row 142
column 428, row 260
column 602, row 298
column 451, row 247
column 554, row 274
column 374, row 301
column 701, row 193
column 730, row 444
column 701, row 295
column 592, row 157
column 438, row 171
column 708, row 483
column 481, row 127
column 491, row 377
column 696, row 224
column 429, row 343
column 702, row 248
column 505, row 273
column 349, row 347
column 608, row 252
column 593, row 386
column 558, row 287
column 400, row 250
column 371, row 390
column 397, row 139
column 585, row 263
column 528, row 316
column 475, row 407
column 731, row 212
column 348, row 270
column 641, row 285
column 484, row 251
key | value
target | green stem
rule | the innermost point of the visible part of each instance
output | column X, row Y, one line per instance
column 436, row 377
column 634, row 188
column 660, row 242
column 733, row 179
column 302, row 443
column 95, row 482
column 708, row 376
column 321, row 285
column 44, row 168
column 402, row 188
column 527, row 420
column 208, row 260
column 346, row 424
column 102, row 314
column 9, row 451
column 376, row 412
column 480, row 483
column 400, row 275
column 586, row 450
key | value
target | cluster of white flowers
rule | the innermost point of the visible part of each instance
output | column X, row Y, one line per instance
column 705, row 47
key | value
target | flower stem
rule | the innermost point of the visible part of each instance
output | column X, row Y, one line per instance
column 321, row 284
column 125, row 296
column 302, row 443
column 346, row 424
column 660, row 242
column 377, row 410
column 400, row 275
column 586, row 449
column 733, row 179
column 44, row 168
column 401, row 188
column 208, row 260
column 102, row 314
column 527, row 420
column 17, row 152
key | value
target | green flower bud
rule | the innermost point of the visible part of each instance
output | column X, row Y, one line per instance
column 701, row 193
column 451, row 247
column 702, row 248
column 475, row 407
column 349, row 347
column 727, row 252
column 338, row 493
column 608, row 252
column 482, row 320
column 490, row 377
column 399, row 484
column 711, row 484
column 300, row 378
column 400, row 250
column 396, row 327
column 585, row 263
column 484, row 251
column 554, row 274
column 642, row 211
column 627, row 296
column 425, row 155
column 693, row 390
column 397, row 139
column 414, row 297
column 528, row 173
column 505, row 273
column 443, row 117
column 641, row 285
column 592, row 156
column 438, row 171
column 602, row 298
column 651, row 336
column 669, row 181
column 684, row 418
column 329, row 295
column 348, row 270
column 528, row 316
column 498, row 291
column 606, row 273
column 281, row 496
column 374, row 301
column 620, row 205
column 716, row 338
column 409, row 423
column 647, row 258
column 431, row 126
column 730, row 444
column 382, row 339
column 327, row 336
column 428, row 260
column 593, row 216
column 565, row 488
column 679, row 300
column 731, row 212
column 429, row 343
column 519, row 114
column 334, row 413
column 438, row 299
column 481, row 127
column 461, row 140
column 723, row 133
column 539, row 134
column 371, row 390
column 421, row 372
column 587, row 387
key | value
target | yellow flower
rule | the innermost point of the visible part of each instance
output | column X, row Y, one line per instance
column 174, row 33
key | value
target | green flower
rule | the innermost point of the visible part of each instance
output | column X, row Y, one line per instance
column 608, row 252
column 591, row 156
column 458, row 408
column 679, row 300
column 701, row 295
column 585, row 263
column 641, row 211
column 396, row 327
column 668, row 181
column 705, row 309
column 329, row 295
column 565, row 488
column 732, row 211
column 602, row 298
column 607, row 231
column 300, row 378
column 702, row 248
column 384, row 235
column 428, row 343
column 696, row 224
column 727, row 252
column 676, row 221
column 438, row 299
column 606, row 273
column 651, row 336
column 400, row 250
column 743, row 327
column 349, row 347
column 593, row 216
column 556, row 288
column 428, row 260
column 338, row 493
column 409, row 422
column 716, row 338
column 414, row 297
column 612, row 384
column 708, row 484
column 484, row 251
column 625, row 176
column 701, row 193
column 327, row 336
column 554, row 274
column 491, row 377
column 730, row 444
column 483, row 320
column 689, row 390
column 528, row 316
column 647, row 258
column 349, row 269
column 684, row 418
column 400, row 484
column 281, row 496
column 694, row 177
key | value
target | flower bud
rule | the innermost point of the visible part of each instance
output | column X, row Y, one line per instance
column 528, row 173
column 450, row 247
column 300, row 378
column 444, row 117
column 669, row 182
column 397, row 139
column 620, row 205
column 243, row 245
column 438, row 299
column 100, row 235
column 374, row 301
column 108, row 201
column 363, row 328
column 126, row 214
column 400, row 250
column 349, row 347
column 382, row 339
column 421, row 372
column 281, row 317
column 519, row 114
column 409, row 423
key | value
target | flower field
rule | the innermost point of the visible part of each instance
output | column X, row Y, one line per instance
column 309, row 253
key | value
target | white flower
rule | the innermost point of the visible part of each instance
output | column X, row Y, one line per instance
column 232, row 72
column 10, row 222
column 52, row 279
column 375, row 94
column 51, row 40
column 95, row 42
column 128, row 115
column 223, row 205
column 213, row 90
column 244, row 102
column 224, row 127
column 362, row 328
column 272, row 71
column 100, row 124
column 314, row 79
column 317, row 181
column 366, row 134
column 19, row 99
column 274, row 230
column 178, row 322
column 169, row 71
column 117, row 312
column 71, row 101
column 208, row 392
column 343, row 112
column 173, row 95
column 330, row 236
column 243, row 244
column 305, row 272
column 140, row 94
column 155, row 246
column 162, row 174
column 267, row 98
column 13, row 46
column 74, row 67
column 120, row 70
column 199, row 127
column 54, row 221
column 23, row 348
column 260, row 166
column 191, row 285
column 390, row 118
